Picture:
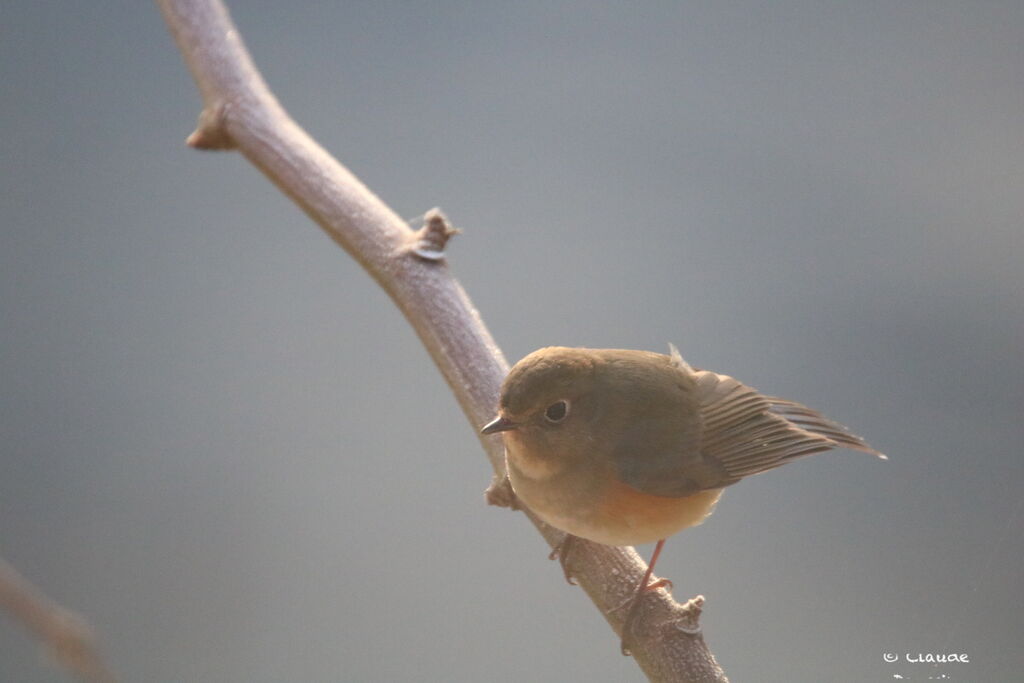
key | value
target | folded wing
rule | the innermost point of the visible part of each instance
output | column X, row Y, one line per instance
column 748, row 433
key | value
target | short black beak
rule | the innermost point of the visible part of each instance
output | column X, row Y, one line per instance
column 498, row 424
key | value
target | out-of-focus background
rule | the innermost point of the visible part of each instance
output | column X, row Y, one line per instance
column 221, row 443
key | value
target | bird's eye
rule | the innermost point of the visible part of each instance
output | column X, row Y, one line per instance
column 557, row 411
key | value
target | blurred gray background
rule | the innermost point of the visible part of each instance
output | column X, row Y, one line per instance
column 224, row 446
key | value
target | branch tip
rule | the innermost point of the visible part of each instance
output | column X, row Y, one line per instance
column 64, row 635
column 74, row 647
column 430, row 240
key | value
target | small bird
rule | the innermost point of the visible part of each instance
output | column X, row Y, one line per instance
column 625, row 447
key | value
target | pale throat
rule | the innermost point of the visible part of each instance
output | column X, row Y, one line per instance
column 527, row 465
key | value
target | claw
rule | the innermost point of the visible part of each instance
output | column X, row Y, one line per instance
column 634, row 602
column 660, row 583
column 629, row 623
column 561, row 552
column 633, row 614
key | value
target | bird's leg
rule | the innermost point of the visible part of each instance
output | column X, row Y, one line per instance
column 634, row 602
column 562, row 552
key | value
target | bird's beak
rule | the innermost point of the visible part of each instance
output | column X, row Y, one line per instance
column 498, row 424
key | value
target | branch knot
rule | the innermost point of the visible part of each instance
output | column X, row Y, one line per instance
column 690, row 621
column 430, row 240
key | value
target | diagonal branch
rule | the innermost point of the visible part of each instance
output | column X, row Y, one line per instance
column 65, row 634
column 240, row 112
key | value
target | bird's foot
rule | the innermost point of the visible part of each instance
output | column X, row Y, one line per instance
column 561, row 552
column 633, row 611
column 654, row 585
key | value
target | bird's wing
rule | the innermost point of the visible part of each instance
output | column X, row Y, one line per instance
column 658, row 451
column 748, row 433
column 730, row 432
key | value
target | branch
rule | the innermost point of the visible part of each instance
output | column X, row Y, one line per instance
column 66, row 635
column 239, row 112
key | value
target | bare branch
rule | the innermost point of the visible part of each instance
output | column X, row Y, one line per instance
column 65, row 634
column 240, row 112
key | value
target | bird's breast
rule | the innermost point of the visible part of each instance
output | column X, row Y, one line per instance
column 587, row 500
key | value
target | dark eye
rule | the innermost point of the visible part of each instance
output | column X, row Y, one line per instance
column 557, row 411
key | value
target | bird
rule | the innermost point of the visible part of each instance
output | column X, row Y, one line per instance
column 626, row 447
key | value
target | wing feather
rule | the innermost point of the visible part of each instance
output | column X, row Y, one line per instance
column 738, row 432
column 749, row 433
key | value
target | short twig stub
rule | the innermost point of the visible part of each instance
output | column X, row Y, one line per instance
column 210, row 132
column 430, row 240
